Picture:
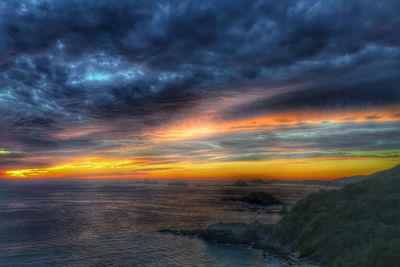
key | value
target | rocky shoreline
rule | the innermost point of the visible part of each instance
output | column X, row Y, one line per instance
column 256, row 235
column 356, row 225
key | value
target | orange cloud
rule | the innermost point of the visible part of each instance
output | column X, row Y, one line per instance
column 195, row 127
column 212, row 164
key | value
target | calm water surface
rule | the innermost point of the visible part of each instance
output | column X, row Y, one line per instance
column 116, row 223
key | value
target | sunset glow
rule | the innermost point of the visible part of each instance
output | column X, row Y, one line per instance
column 207, row 161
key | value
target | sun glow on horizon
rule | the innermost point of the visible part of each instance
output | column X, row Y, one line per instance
column 320, row 168
column 163, row 158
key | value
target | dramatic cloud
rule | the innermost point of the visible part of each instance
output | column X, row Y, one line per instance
column 130, row 78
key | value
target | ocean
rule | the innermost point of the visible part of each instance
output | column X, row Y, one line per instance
column 116, row 222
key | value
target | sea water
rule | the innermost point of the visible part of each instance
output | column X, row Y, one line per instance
column 116, row 223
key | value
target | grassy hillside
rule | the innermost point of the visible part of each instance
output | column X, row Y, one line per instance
column 358, row 225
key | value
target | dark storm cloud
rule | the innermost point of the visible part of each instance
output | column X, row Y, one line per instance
column 205, row 31
column 336, row 96
column 139, row 64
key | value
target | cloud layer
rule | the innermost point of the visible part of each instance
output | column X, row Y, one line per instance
column 82, row 78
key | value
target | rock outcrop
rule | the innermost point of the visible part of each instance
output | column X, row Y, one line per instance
column 261, row 198
column 257, row 235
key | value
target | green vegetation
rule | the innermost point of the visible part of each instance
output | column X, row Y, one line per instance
column 357, row 226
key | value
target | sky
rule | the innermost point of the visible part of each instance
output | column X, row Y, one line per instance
column 199, row 89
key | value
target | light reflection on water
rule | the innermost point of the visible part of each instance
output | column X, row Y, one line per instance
column 115, row 223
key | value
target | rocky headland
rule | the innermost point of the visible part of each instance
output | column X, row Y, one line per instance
column 357, row 225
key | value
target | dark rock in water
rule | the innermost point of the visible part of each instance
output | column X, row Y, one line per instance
column 240, row 183
column 261, row 201
column 261, row 198
column 177, row 184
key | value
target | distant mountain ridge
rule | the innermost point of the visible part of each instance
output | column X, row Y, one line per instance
column 339, row 182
